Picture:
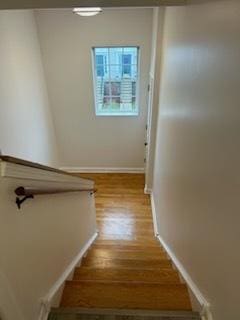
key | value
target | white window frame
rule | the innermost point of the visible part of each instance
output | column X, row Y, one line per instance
column 137, row 95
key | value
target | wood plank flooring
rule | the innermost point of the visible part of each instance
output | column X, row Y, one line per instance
column 124, row 295
column 163, row 276
column 126, row 268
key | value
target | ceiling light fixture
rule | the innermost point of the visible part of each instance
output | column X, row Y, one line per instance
column 87, row 12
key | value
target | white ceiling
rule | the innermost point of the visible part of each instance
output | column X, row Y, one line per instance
column 27, row 4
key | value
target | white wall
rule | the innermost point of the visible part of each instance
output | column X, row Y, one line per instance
column 26, row 128
column 66, row 41
column 155, row 74
column 40, row 241
column 197, row 173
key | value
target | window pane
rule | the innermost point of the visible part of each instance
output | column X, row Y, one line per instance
column 100, row 104
column 101, row 56
column 115, row 55
column 134, row 72
column 127, row 69
column 99, row 59
column 126, row 106
column 107, row 88
column 99, row 89
column 101, row 50
column 127, row 58
column 106, row 103
column 100, row 71
column 126, row 86
column 116, row 72
column 133, row 52
column 115, row 88
column 134, row 103
column 115, row 103
column 134, row 88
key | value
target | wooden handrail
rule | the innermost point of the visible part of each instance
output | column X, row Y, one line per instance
column 36, row 165
column 30, row 192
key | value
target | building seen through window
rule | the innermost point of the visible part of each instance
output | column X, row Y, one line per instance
column 116, row 80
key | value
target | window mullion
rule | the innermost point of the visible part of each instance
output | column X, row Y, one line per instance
column 109, row 80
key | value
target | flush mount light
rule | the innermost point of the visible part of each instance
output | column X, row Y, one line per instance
column 87, row 12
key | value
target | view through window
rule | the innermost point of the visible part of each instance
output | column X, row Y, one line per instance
column 116, row 80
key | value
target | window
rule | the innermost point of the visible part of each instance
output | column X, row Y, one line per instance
column 116, row 80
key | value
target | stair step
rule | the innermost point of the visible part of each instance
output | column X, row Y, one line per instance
column 124, row 236
column 125, row 226
column 118, row 274
column 113, row 247
column 151, row 243
column 126, row 263
column 121, row 314
column 116, row 199
column 121, row 254
column 125, row 295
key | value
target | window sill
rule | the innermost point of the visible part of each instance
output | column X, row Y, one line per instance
column 105, row 114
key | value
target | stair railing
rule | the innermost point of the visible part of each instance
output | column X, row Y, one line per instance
column 30, row 192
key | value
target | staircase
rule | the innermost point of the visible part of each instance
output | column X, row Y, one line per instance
column 126, row 93
column 100, row 90
column 126, row 274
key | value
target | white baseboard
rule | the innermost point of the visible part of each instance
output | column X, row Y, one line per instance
column 147, row 190
column 154, row 215
column 46, row 302
column 102, row 170
column 205, row 306
column 205, row 312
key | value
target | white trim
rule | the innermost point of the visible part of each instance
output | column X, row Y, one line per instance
column 205, row 312
column 102, row 170
column 47, row 300
column 155, row 226
column 147, row 190
column 13, row 170
column 118, row 114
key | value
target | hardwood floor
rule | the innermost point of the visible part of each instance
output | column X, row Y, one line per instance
column 123, row 210
column 126, row 268
column 124, row 295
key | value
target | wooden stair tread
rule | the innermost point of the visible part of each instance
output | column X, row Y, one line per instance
column 82, row 316
column 125, row 295
column 107, row 236
column 151, row 243
column 109, row 212
column 127, row 254
column 126, row 263
column 122, row 193
column 114, row 201
column 120, row 230
column 113, row 247
column 120, row 314
column 117, row 274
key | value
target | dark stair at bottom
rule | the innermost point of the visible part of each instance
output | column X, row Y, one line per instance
column 96, row 314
